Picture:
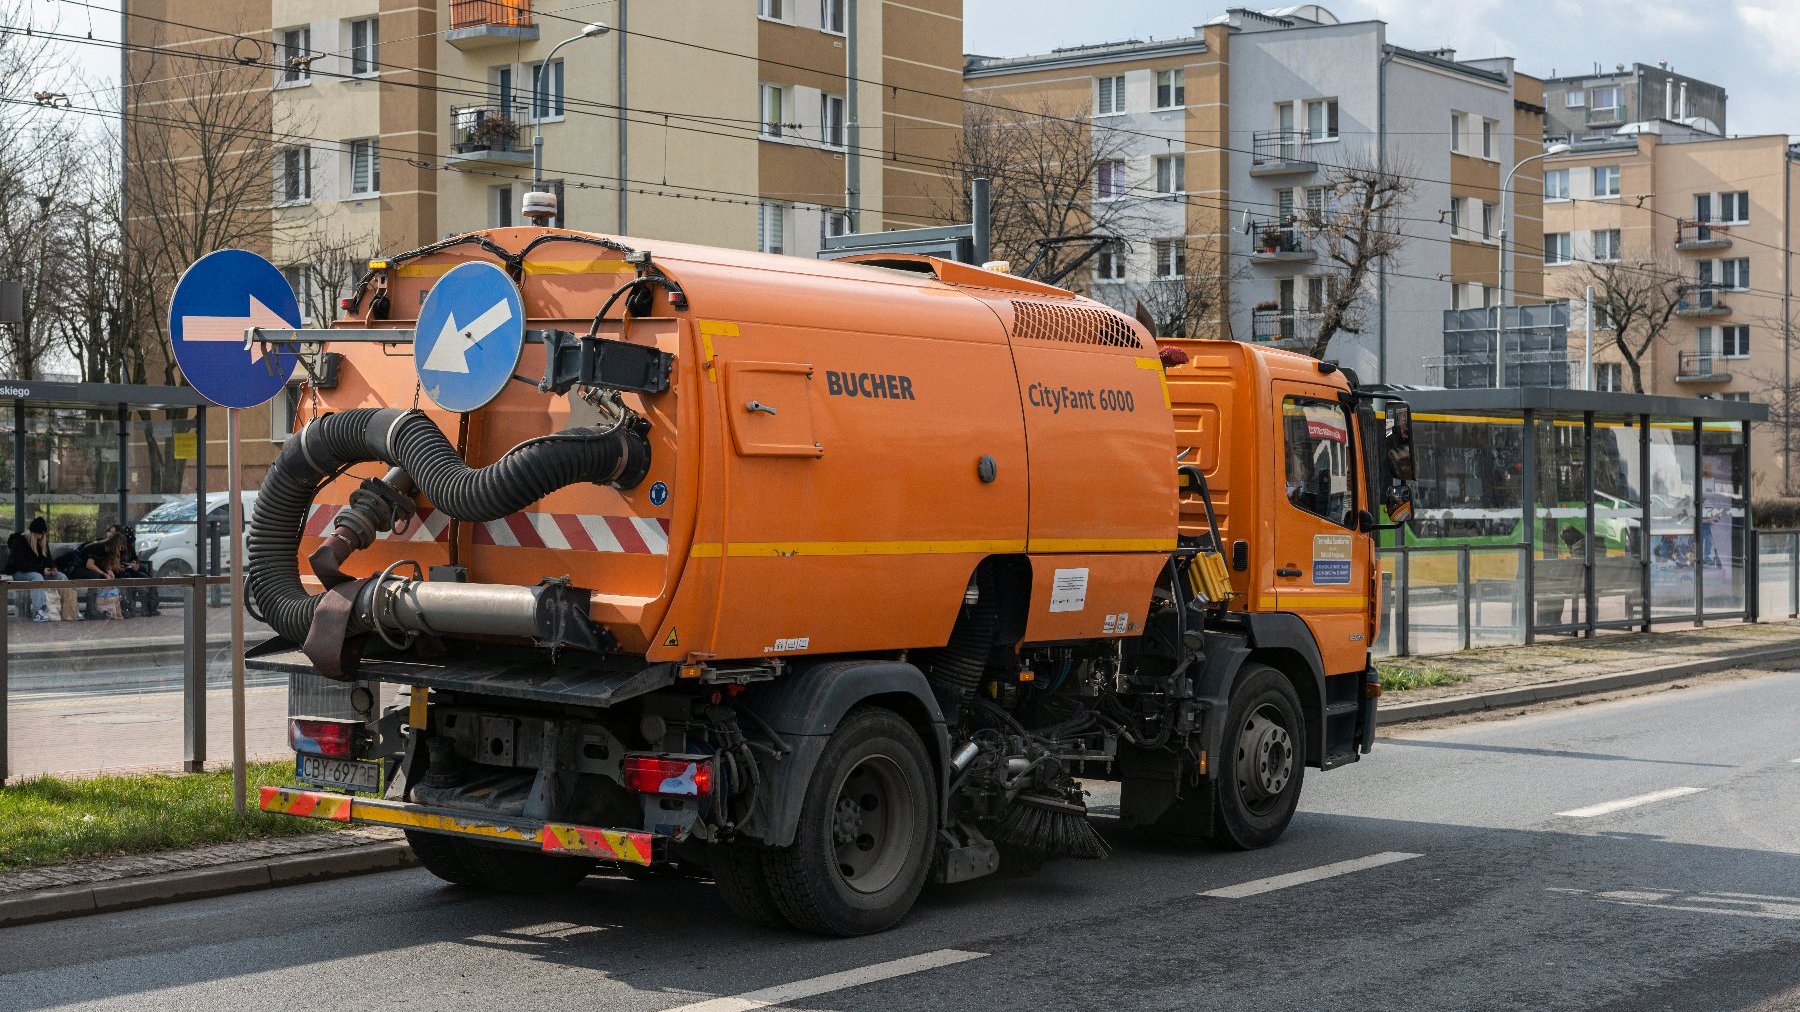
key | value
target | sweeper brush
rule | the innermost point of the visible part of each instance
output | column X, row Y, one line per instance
column 1051, row 827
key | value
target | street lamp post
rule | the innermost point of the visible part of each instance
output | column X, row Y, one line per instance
column 542, row 87
column 1505, row 287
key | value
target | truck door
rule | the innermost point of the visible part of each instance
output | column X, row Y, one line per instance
column 1322, row 562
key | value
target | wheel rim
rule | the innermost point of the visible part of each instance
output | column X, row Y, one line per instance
column 1265, row 758
column 870, row 826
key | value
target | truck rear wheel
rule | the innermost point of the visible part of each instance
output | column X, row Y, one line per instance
column 496, row 866
column 863, row 848
column 1261, row 761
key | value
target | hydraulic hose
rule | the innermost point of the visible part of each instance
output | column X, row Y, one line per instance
column 318, row 453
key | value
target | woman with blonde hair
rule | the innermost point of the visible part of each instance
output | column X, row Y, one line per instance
column 28, row 561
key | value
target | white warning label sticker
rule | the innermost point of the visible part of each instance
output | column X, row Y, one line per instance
column 1068, row 590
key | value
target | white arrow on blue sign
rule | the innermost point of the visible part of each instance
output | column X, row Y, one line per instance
column 223, row 294
column 470, row 332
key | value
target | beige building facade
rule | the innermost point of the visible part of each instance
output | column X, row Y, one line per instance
column 1715, row 216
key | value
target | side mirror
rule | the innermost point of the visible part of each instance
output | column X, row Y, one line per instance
column 1398, row 503
column 1397, row 440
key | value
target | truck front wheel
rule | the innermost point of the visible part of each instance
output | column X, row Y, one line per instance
column 1261, row 761
column 863, row 847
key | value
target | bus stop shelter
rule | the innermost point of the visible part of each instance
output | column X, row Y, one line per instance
column 1547, row 511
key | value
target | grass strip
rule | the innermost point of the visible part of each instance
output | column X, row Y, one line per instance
column 49, row 820
column 1399, row 678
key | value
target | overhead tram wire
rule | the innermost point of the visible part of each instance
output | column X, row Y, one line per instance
column 623, row 115
column 941, row 167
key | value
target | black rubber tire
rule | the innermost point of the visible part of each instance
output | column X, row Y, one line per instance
column 436, row 852
column 744, row 884
column 1238, row 823
column 805, row 879
column 497, row 866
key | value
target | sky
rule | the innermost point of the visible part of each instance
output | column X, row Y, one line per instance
column 1752, row 47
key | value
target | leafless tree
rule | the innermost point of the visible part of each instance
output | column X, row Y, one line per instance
column 1046, row 164
column 324, row 266
column 1193, row 305
column 1635, row 301
column 92, row 305
column 1357, row 229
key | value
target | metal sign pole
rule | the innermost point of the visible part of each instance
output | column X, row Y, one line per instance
column 234, row 465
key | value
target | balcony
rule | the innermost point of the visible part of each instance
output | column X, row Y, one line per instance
column 1700, row 367
column 1287, row 329
column 1280, row 153
column 1280, row 244
column 1702, row 300
column 475, row 24
column 1695, row 234
column 1606, row 115
column 490, row 134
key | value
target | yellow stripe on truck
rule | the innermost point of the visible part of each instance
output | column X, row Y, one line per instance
column 765, row 549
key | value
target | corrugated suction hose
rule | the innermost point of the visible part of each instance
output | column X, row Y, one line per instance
column 411, row 441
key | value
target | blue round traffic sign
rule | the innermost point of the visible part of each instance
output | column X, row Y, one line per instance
column 470, row 332
column 223, row 294
column 659, row 494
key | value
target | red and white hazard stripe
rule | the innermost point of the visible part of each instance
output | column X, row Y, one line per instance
column 576, row 532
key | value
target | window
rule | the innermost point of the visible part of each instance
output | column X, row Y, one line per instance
column 1171, row 259
column 1556, row 184
column 1606, row 180
column 1315, row 293
column 298, row 277
column 775, row 10
column 1316, row 199
column 1487, row 220
column 769, row 222
column 1740, row 395
column 831, row 120
column 1317, row 440
column 1171, row 89
column 1703, row 205
column 295, row 54
column 547, row 91
column 1735, row 273
column 832, row 16
column 833, row 224
column 1111, row 180
column 1109, row 263
column 1112, row 96
column 1557, row 249
column 1609, row 376
column 773, row 103
column 365, row 167
column 1459, row 214
column 1734, row 207
column 1456, row 131
column 1734, row 342
column 1171, row 174
column 500, row 207
column 296, row 175
column 1610, row 99
column 1606, row 244
column 1321, row 120
column 364, row 40
column 1488, row 150
column 1575, row 99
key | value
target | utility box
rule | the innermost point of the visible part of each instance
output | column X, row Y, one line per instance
column 947, row 242
column 12, row 302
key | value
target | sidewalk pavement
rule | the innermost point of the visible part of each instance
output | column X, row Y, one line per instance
column 26, row 638
column 1560, row 668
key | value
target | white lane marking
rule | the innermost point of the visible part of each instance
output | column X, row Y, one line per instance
column 843, row 980
column 1274, row 882
column 1777, row 908
column 1608, row 807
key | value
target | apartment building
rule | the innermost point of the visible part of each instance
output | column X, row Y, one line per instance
column 1592, row 106
column 1719, row 214
column 1275, row 105
column 758, row 124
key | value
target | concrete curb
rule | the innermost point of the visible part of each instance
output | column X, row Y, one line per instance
column 1501, row 698
column 176, row 887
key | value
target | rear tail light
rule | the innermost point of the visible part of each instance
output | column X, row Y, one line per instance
column 680, row 776
column 333, row 738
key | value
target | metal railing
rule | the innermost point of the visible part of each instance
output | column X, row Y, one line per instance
column 1707, row 298
column 1699, row 365
column 1278, row 147
column 483, row 13
column 1283, row 327
column 1693, row 233
column 493, row 127
column 1606, row 114
column 1272, row 239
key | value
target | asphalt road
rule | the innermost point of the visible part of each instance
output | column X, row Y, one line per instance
column 1632, row 855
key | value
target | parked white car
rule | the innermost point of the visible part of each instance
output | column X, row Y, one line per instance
column 166, row 534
